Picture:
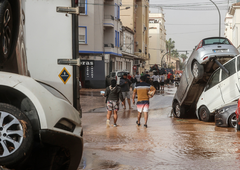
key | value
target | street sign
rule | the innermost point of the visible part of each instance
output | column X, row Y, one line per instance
column 87, row 63
column 134, row 67
column 64, row 75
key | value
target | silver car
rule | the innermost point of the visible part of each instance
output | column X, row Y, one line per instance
column 207, row 56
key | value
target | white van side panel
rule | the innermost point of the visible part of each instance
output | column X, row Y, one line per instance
column 48, row 38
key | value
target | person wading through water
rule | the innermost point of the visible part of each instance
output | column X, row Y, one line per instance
column 144, row 92
column 113, row 93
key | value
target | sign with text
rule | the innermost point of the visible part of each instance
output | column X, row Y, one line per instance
column 87, row 63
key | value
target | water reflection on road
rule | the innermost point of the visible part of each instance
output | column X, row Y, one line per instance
column 167, row 143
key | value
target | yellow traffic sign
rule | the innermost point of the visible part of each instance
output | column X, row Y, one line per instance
column 64, row 75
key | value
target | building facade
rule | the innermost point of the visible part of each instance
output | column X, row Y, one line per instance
column 99, row 40
column 228, row 26
column 136, row 18
column 157, row 39
column 234, row 24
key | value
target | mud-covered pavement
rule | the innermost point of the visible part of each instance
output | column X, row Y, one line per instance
column 167, row 143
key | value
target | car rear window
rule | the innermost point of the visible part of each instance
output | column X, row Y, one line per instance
column 120, row 74
column 211, row 41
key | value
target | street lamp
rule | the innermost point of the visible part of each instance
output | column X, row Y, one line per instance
column 219, row 18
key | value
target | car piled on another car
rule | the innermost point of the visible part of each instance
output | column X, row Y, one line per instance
column 222, row 87
column 207, row 56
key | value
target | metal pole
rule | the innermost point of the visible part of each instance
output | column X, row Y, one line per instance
column 219, row 18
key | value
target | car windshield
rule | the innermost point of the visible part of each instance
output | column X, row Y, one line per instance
column 120, row 74
column 211, row 41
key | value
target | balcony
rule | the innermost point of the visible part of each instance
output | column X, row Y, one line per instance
column 108, row 21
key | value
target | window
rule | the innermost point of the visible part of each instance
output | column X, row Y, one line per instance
column 117, row 11
column 83, row 6
column 214, row 80
column 116, row 38
column 210, row 41
column 230, row 66
column 238, row 64
column 82, row 35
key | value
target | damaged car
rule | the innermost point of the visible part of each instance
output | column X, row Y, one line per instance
column 222, row 87
column 207, row 56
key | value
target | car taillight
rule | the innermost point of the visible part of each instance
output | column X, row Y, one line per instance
column 199, row 45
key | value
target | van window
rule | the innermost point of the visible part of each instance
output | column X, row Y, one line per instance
column 230, row 66
column 238, row 63
column 113, row 74
column 214, row 80
column 120, row 74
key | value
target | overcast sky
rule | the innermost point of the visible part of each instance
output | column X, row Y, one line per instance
column 189, row 21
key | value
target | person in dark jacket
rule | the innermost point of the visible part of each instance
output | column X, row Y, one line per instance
column 133, row 81
column 113, row 93
column 125, row 87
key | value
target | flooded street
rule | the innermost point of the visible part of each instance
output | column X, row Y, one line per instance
column 167, row 143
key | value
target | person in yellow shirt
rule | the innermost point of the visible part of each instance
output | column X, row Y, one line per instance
column 144, row 91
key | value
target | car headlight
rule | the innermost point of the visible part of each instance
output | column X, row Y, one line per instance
column 221, row 111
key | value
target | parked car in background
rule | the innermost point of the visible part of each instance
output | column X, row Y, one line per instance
column 210, row 54
column 221, row 88
column 115, row 75
column 226, row 116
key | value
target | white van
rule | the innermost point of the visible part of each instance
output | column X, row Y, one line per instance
column 222, row 88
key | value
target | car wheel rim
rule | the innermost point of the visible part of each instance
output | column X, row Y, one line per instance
column 6, row 32
column 204, row 114
column 178, row 110
column 11, row 134
column 234, row 121
column 195, row 70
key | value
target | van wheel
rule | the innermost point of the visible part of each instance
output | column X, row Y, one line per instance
column 6, row 29
column 16, row 136
column 204, row 114
column 179, row 110
column 197, row 71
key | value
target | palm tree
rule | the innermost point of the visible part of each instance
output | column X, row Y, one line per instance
column 175, row 53
column 170, row 45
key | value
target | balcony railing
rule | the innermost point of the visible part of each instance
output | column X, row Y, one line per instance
column 109, row 45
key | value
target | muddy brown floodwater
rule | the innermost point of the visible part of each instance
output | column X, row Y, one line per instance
column 167, row 143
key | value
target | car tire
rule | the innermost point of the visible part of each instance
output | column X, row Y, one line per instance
column 16, row 136
column 232, row 121
column 197, row 71
column 179, row 111
column 6, row 30
column 204, row 114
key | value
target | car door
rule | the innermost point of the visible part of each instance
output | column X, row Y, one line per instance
column 212, row 93
column 229, row 83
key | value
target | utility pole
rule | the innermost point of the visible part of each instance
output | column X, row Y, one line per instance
column 219, row 18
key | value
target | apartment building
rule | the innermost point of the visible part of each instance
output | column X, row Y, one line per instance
column 135, row 16
column 157, row 39
column 232, row 22
column 99, row 40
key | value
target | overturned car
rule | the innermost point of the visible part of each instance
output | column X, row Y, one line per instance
column 207, row 56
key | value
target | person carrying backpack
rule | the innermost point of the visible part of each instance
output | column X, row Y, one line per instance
column 113, row 93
